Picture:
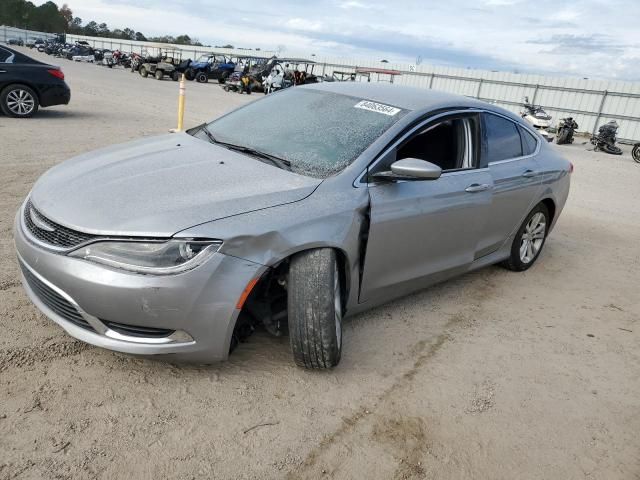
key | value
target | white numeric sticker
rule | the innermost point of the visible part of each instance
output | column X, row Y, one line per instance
column 377, row 107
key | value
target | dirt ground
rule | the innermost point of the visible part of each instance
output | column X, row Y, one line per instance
column 496, row 374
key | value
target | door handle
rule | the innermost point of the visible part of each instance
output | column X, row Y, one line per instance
column 477, row 187
column 529, row 173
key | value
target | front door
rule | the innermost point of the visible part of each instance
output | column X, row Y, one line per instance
column 423, row 231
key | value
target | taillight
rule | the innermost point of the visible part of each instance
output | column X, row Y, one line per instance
column 570, row 167
column 56, row 73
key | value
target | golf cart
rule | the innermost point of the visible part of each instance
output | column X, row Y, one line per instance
column 247, row 75
column 163, row 64
column 287, row 72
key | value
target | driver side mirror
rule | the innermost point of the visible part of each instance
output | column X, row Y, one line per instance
column 410, row 169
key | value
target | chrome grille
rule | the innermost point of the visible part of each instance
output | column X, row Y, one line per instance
column 54, row 300
column 56, row 235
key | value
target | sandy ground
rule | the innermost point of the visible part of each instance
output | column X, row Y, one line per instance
column 497, row 375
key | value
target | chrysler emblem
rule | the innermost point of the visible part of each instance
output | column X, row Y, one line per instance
column 39, row 222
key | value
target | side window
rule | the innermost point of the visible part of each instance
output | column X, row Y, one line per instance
column 502, row 138
column 529, row 142
column 448, row 144
column 4, row 55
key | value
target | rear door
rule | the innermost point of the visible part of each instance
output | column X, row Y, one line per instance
column 509, row 152
column 425, row 231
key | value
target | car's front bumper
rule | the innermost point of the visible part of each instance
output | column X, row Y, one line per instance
column 197, row 306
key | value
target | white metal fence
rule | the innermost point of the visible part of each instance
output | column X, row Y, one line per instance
column 590, row 102
column 12, row 33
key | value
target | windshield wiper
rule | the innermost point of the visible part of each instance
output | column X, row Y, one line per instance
column 277, row 161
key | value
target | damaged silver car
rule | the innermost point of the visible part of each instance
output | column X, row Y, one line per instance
column 288, row 214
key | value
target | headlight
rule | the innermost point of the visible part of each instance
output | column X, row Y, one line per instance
column 158, row 258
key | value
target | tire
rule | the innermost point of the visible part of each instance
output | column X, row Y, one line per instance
column 159, row 74
column 175, row 76
column 19, row 101
column 189, row 74
column 314, row 304
column 202, row 77
column 223, row 77
column 521, row 260
column 612, row 149
column 143, row 72
column 562, row 137
column 635, row 153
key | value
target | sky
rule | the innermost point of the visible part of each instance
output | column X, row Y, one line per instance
column 588, row 38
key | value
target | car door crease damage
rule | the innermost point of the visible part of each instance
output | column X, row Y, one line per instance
column 330, row 211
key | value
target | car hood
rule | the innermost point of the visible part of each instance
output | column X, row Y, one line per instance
column 158, row 186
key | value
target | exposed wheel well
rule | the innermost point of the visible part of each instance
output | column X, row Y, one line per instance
column 267, row 303
column 551, row 207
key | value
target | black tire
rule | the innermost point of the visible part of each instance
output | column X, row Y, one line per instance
column 175, row 76
column 515, row 261
column 202, row 77
column 223, row 77
column 144, row 73
column 159, row 74
column 635, row 153
column 29, row 101
column 563, row 134
column 315, row 322
column 612, row 149
column 188, row 74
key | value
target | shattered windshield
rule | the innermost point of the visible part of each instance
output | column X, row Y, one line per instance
column 317, row 133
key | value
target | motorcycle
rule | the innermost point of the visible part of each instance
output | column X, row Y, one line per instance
column 635, row 153
column 537, row 117
column 566, row 129
column 605, row 139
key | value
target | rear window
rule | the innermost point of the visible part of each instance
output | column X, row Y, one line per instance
column 529, row 142
column 4, row 55
column 502, row 139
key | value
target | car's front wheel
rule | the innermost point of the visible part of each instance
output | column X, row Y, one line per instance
column 19, row 101
column 529, row 239
column 315, row 309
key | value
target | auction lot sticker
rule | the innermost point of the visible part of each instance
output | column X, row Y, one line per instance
column 377, row 107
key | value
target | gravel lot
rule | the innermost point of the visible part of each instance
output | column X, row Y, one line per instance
column 492, row 375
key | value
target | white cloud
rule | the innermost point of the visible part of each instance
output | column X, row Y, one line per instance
column 490, row 34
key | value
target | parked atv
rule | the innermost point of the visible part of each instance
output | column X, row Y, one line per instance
column 566, row 129
column 182, row 67
column 211, row 67
column 605, row 139
column 247, row 76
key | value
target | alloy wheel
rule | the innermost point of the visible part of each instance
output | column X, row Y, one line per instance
column 533, row 237
column 20, row 102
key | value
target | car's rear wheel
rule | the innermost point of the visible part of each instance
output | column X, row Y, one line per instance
column 175, row 75
column 202, row 77
column 19, row 101
column 159, row 74
column 529, row 239
column 315, row 309
column 144, row 72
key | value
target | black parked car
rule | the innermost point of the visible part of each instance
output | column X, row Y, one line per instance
column 26, row 84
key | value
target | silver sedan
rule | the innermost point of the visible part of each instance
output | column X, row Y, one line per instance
column 287, row 214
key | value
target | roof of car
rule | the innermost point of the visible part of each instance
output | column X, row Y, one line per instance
column 409, row 98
